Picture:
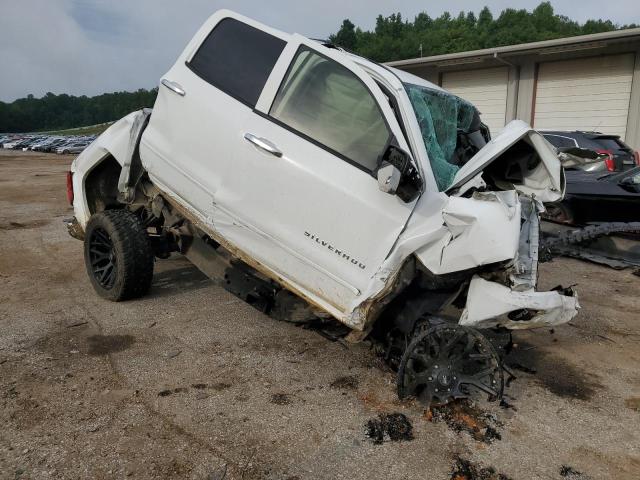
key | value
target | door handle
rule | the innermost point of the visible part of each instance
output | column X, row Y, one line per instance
column 263, row 144
column 173, row 86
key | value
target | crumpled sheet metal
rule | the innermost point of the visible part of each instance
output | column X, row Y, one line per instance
column 489, row 302
column 545, row 181
column 479, row 230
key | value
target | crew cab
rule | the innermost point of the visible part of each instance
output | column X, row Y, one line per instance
column 314, row 183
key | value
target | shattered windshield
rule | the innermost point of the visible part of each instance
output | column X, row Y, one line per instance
column 440, row 116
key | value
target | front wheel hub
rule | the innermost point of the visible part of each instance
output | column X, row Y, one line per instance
column 447, row 362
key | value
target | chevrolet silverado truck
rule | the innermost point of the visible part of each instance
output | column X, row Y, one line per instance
column 316, row 184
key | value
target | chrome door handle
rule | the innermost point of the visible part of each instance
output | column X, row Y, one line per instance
column 173, row 86
column 263, row 144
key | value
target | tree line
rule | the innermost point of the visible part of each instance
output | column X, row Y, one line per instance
column 59, row 112
column 393, row 38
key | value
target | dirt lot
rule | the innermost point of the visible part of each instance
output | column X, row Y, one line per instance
column 189, row 382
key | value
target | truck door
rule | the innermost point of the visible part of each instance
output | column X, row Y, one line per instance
column 311, row 149
column 274, row 141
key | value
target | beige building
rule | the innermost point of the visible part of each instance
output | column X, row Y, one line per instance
column 590, row 82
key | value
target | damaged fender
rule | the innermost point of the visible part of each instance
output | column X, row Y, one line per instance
column 480, row 230
column 488, row 304
column 115, row 141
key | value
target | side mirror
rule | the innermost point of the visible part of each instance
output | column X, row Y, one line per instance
column 397, row 175
column 388, row 178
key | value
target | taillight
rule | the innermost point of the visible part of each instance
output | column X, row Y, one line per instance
column 636, row 154
column 70, row 187
column 609, row 163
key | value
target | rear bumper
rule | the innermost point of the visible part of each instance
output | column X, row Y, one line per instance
column 74, row 228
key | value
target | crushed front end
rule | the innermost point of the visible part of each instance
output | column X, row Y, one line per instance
column 510, row 300
column 479, row 261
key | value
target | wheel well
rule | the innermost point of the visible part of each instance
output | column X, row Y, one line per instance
column 101, row 186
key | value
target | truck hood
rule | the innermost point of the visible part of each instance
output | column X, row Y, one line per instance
column 521, row 159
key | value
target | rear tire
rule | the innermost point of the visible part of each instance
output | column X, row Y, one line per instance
column 118, row 255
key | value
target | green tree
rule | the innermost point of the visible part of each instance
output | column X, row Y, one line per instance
column 394, row 38
column 346, row 36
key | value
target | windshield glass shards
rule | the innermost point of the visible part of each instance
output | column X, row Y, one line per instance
column 441, row 117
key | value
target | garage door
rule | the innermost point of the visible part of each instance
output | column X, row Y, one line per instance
column 585, row 94
column 486, row 89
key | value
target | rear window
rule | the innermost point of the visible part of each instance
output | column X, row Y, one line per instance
column 559, row 141
column 237, row 59
column 612, row 144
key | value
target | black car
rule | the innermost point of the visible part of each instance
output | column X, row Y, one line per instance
column 598, row 197
column 621, row 156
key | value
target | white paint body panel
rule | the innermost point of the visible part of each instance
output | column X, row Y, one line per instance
column 298, row 215
column 488, row 302
column 590, row 94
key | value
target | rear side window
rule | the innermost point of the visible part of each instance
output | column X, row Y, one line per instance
column 328, row 104
column 237, row 59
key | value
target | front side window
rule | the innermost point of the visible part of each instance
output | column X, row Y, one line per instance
column 237, row 59
column 327, row 103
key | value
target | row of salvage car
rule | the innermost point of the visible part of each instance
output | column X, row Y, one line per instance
column 71, row 144
column 602, row 175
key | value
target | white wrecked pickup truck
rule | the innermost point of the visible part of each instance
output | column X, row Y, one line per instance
column 314, row 184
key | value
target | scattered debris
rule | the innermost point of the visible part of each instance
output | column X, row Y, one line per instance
column 347, row 382
column 106, row 344
column 166, row 393
column 506, row 405
column 636, row 272
column 605, row 338
column 593, row 243
column 199, row 386
column 220, row 386
column 281, row 399
column 571, row 473
column 77, row 323
column 462, row 416
column 465, row 470
column 633, row 403
column 389, row 426
column 171, row 353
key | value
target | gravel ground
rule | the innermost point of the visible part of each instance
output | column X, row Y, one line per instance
column 189, row 382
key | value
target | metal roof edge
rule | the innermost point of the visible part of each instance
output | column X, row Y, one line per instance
column 522, row 47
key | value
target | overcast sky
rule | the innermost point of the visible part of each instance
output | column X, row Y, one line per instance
column 94, row 46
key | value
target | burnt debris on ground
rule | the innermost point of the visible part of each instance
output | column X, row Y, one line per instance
column 389, row 426
column 466, row 470
column 281, row 399
column 572, row 474
column 346, row 382
column 463, row 416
